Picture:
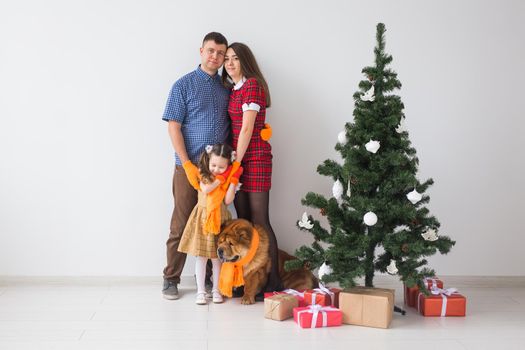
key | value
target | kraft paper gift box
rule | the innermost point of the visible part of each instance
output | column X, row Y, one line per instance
column 411, row 293
column 442, row 302
column 316, row 316
column 298, row 294
column 280, row 307
column 363, row 306
column 322, row 296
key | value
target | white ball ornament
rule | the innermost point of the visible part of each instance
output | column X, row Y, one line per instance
column 341, row 137
column 370, row 218
column 372, row 146
column 414, row 196
column 337, row 190
column 324, row 270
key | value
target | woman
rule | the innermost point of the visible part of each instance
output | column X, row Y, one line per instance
column 247, row 109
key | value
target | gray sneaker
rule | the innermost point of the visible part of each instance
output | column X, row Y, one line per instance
column 170, row 290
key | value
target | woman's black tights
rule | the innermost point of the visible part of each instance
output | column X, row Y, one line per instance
column 253, row 206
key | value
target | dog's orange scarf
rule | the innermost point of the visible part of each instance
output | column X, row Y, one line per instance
column 232, row 272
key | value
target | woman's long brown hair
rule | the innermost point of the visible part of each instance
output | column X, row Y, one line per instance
column 249, row 69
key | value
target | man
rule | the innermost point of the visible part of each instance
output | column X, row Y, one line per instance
column 197, row 115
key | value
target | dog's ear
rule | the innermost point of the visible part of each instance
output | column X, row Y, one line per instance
column 226, row 223
column 245, row 233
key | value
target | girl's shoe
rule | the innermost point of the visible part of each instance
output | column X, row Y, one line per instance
column 200, row 299
column 217, row 297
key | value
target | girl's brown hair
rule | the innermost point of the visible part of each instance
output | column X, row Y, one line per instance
column 221, row 150
column 249, row 68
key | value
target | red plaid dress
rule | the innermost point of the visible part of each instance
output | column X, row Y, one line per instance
column 257, row 161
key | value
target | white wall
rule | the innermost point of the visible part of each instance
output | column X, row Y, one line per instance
column 86, row 163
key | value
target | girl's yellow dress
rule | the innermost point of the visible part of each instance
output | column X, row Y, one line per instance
column 195, row 240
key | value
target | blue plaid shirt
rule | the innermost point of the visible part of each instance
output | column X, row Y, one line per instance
column 199, row 102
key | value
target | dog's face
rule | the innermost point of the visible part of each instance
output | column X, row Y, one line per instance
column 234, row 240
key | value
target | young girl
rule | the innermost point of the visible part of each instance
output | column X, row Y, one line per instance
column 217, row 190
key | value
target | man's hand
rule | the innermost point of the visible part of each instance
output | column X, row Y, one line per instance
column 192, row 173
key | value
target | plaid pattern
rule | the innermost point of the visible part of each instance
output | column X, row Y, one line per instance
column 195, row 240
column 257, row 161
column 199, row 103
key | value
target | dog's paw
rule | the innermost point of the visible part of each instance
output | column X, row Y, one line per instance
column 247, row 300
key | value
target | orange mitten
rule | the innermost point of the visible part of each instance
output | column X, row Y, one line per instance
column 234, row 167
column 234, row 179
column 224, row 176
column 192, row 173
column 266, row 132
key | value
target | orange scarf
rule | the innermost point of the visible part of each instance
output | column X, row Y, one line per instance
column 213, row 210
column 232, row 272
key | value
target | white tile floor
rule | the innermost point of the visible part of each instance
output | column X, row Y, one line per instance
column 102, row 313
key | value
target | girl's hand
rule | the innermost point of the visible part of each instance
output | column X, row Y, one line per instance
column 222, row 177
column 192, row 173
column 234, row 178
column 234, row 168
column 207, row 188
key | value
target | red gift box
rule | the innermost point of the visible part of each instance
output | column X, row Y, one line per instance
column 411, row 293
column 316, row 316
column 298, row 294
column 442, row 302
column 322, row 296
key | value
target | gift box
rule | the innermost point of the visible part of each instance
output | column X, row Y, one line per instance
column 280, row 307
column 316, row 316
column 363, row 306
column 322, row 296
column 442, row 302
column 298, row 295
column 411, row 293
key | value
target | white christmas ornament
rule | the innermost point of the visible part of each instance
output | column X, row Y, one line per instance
column 370, row 218
column 341, row 137
column 348, row 190
column 414, row 196
column 401, row 127
column 430, row 235
column 401, row 228
column 392, row 268
column 369, row 95
column 372, row 146
column 305, row 222
column 324, row 270
column 337, row 190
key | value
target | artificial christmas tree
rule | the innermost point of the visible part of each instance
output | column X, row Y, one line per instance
column 377, row 215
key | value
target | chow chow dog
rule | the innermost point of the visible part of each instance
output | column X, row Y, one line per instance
column 233, row 244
